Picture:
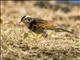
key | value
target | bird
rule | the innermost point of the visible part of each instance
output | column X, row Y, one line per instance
column 39, row 25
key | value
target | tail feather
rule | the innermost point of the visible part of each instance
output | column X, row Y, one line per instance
column 62, row 29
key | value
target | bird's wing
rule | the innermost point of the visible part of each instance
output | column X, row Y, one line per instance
column 45, row 24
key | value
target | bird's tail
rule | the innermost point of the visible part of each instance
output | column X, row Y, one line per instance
column 65, row 30
column 62, row 29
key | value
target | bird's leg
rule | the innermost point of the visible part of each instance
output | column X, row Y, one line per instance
column 44, row 34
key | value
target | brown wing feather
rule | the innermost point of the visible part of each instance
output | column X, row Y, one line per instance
column 46, row 24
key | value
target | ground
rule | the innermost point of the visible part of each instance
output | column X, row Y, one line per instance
column 17, row 43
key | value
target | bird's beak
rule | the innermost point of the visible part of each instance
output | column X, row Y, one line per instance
column 20, row 22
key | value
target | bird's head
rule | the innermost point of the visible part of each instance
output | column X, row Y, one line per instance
column 26, row 19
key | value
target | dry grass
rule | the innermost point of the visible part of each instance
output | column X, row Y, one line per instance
column 17, row 43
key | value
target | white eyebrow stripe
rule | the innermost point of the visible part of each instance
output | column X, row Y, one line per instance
column 28, row 16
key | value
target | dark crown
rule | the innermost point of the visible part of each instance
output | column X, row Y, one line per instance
column 26, row 18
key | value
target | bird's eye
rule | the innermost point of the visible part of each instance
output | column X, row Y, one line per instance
column 26, row 19
column 29, row 19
